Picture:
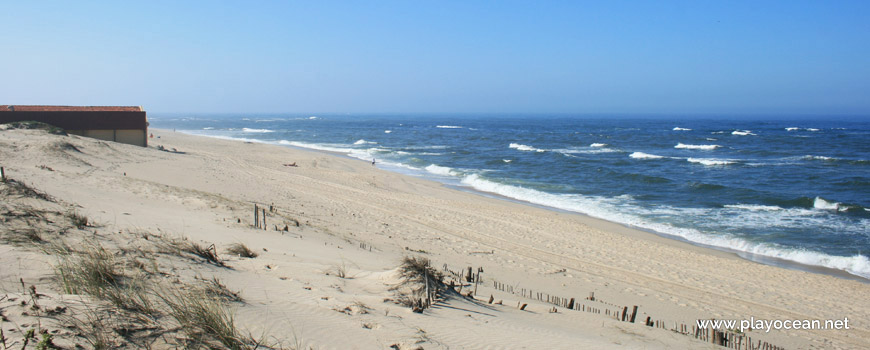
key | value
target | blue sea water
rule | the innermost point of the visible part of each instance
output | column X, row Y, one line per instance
column 796, row 190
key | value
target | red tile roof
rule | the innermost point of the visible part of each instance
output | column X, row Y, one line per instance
column 31, row 108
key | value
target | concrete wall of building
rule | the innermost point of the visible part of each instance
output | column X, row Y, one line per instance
column 134, row 137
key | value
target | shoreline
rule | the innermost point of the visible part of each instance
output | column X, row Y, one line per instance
column 349, row 225
column 626, row 229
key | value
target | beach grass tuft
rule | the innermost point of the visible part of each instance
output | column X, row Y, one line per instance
column 215, row 288
column 209, row 253
column 17, row 188
column 420, row 282
column 78, row 220
column 205, row 319
column 241, row 250
column 94, row 271
column 418, row 270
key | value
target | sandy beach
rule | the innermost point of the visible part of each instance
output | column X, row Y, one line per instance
column 337, row 229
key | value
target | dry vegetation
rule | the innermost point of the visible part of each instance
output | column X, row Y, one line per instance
column 420, row 282
column 14, row 188
column 181, row 247
column 126, row 301
column 241, row 250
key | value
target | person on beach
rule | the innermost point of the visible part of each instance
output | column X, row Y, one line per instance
column 373, row 161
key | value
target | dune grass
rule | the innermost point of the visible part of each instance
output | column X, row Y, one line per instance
column 241, row 250
column 209, row 253
column 94, row 271
column 215, row 288
column 78, row 220
column 205, row 319
column 200, row 310
column 182, row 247
column 416, row 270
column 17, row 188
column 418, row 279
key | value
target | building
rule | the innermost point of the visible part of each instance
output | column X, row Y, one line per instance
column 120, row 124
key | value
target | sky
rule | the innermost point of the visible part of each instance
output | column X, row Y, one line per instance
column 573, row 57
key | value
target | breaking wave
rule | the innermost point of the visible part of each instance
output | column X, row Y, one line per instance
column 328, row 148
column 710, row 161
column 701, row 147
column 614, row 209
column 812, row 157
column 260, row 131
column 440, row 170
column 641, row 155
column 821, row 203
column 754, row 207
column 520, row 147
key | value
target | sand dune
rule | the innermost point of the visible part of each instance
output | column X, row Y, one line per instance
column 362, row 220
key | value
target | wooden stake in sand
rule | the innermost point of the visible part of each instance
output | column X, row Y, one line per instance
column 256, row 216
column 2, row 174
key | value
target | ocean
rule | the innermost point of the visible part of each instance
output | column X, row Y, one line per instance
column 771, row 189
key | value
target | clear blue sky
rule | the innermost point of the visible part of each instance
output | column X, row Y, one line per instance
column 660, row 57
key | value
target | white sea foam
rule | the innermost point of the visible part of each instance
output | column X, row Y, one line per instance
column 261, row 131
column 821, row 203
column 641, row 155
column 364, row 142
column 243, row 139
column 701, row 147
column 427, row 147
column 448, row 127
column 440, row 170
column 754, row 207
column 208, row 128
column 319, row 147
column 812, row 157
column 711, row 139
column 313, row 117
column 677, row 128
column 812, row 129
column 598, row 145
column 742, row 132
column 507, row 160
column 572, row 151
column 620, row 211
column 857, row 264
column 792, row 128
column 387, row 131
column 710, row 161
column 520, row 147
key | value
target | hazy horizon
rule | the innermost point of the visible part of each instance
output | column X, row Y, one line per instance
column 675, row 58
